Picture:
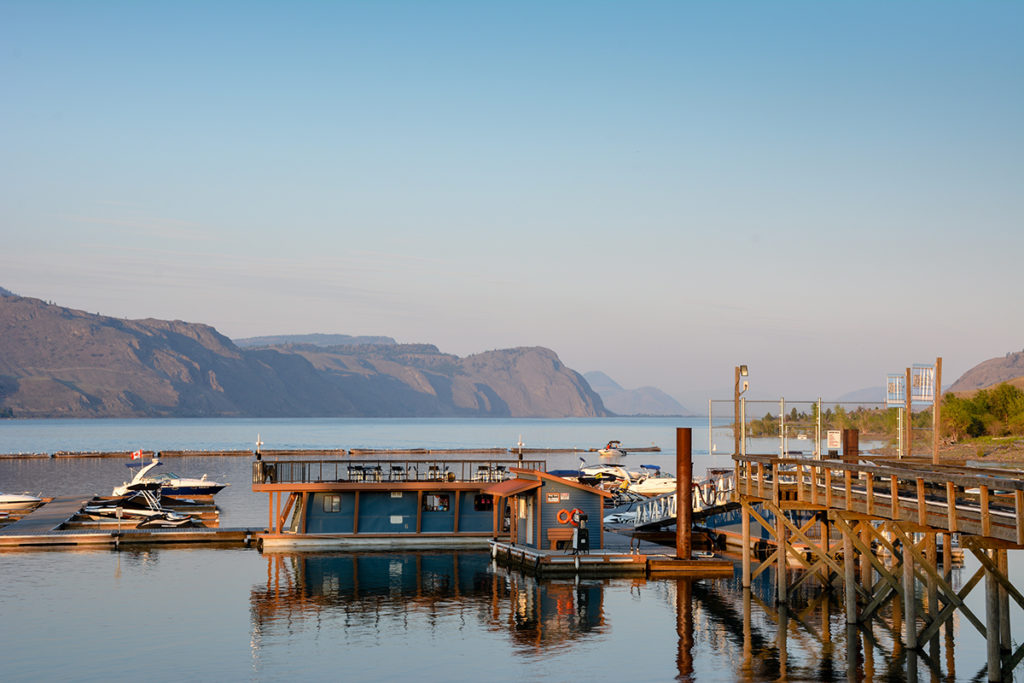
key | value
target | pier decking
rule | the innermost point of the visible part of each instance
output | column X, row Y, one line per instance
column 878, row 523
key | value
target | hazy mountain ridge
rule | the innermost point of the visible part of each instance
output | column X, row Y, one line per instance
column 991, row 372
column 641, row 401
column 316, row 339
column 59, row 362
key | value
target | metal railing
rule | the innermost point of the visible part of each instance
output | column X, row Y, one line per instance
column 352, row 470
column 715, row 491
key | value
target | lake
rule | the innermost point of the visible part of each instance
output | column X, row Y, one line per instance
column 229, row 613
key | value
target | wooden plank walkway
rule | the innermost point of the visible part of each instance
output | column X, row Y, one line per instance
column 47, row 517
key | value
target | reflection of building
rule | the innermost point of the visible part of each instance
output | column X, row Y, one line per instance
column 544, row 613
column 374, row 588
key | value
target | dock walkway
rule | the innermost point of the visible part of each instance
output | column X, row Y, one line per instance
column 42, row 527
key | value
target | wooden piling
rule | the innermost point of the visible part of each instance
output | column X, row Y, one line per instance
column 684, row 491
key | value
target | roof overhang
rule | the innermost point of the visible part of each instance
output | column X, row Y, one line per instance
column 512, row 487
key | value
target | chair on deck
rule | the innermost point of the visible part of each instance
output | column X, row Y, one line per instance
column 355, row 473
column 398, row 473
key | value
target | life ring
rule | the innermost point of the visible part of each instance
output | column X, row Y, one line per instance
column 563, row 516
column 573, row 519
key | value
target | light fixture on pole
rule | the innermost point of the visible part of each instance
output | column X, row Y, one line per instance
column 741, row 371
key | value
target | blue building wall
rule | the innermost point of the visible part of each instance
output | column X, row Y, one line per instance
column 569, row 499
column 471, row 519
column 387, row 512
column 589, row 503
column 320, row 522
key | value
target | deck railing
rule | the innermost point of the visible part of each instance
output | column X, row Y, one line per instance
column 984, row 501
column 388, row 470
column 712, row 493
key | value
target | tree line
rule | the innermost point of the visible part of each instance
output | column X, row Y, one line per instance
column 998, row 411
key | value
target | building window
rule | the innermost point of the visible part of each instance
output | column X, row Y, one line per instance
column 483, row 502
column 435, row 502
column 332, row 502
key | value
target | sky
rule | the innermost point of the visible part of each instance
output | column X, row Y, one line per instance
column 826, row 192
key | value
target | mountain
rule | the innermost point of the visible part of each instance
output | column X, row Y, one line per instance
column 314, row 339
column 991, row 372
column 867, row 395
column 59, row 362
column 642, row 401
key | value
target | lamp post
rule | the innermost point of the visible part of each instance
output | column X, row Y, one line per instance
column 741, row 371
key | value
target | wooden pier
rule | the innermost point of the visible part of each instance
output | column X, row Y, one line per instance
column 872, row 526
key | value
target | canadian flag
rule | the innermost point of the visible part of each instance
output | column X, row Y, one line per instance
column 137, row 454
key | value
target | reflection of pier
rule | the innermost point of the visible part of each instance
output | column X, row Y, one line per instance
column 873, row 526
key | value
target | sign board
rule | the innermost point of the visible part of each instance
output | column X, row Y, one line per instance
column 895, row 390
column 835, row 439
column 552, row 497
column 922, row 383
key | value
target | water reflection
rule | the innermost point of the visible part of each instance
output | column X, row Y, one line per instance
column 370, row 588
column 721, row 631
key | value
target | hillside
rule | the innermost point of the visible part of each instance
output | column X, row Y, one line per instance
column 642, row 401
column 314, row 339
column 991, row 372
column 59, row 362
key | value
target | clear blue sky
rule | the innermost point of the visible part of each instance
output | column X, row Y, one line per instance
column 824, row 191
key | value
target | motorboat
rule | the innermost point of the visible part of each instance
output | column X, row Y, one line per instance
column 170, row 483
column 140, row 505
column 18, row 501
column 604, row 475
column 613, row 449
column 653, row 482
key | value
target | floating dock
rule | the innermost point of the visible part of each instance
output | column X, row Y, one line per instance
column 45, row 526
column 544, row 563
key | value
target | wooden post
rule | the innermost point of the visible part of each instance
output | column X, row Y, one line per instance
column 894, row 489
column 1004, row 602
column 992, row 625
column 747, row 550
column 684, row 489
column 936, row 403
column 782, row 558
column 907, row 451
column 849, row 579
column 909, row 603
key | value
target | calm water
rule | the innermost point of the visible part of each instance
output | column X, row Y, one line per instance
column 233, row 614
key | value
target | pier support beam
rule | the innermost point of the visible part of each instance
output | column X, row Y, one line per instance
column 849, row 578
column 782, row 558
column 909, row 600
column 684, row 492
column 747, row 550
column 992, row 626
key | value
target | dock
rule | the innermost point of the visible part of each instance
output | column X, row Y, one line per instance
column 46, row 526
column 545, row 563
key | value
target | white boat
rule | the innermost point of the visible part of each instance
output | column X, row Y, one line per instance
column 140, row 505
column 612, row 450
column 653, row 482
column 18, row 501
column 170, row 483
column 604, row 474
